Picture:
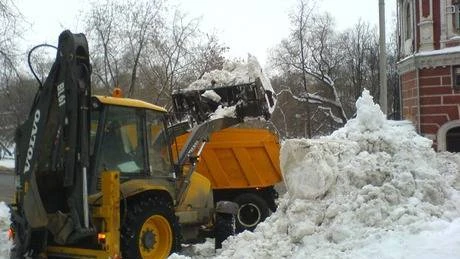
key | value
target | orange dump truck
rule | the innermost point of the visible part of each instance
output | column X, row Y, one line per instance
column 243, row 166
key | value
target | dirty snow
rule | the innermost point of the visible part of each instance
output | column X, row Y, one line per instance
column 372, row 189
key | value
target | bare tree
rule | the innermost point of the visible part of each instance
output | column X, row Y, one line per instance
column 143, row 24
column 102, row 26
column 394, row 109
column 120, row 33
column 359, row 68
column 10, row 31
column 311, row 55
column 138, row 49
column 207, row 55
column 169, row 57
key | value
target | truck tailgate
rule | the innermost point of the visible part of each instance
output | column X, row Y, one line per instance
column 240, row 158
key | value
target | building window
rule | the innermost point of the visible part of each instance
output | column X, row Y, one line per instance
column 453, row 140
column 408, row 22
column 456, row 77
column 456, row 14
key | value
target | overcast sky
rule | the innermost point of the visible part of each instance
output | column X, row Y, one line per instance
column 246, row 26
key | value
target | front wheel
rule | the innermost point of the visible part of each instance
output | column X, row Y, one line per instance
column 151, row 229
column 252, row 210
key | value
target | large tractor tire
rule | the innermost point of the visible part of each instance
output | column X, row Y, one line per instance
column 252, row 210
column 225, row 227
column 151, row 229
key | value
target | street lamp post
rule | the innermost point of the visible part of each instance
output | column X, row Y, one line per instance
column 382, row 58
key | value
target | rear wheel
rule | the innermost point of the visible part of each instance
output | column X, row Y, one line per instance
column 252, row 210
column 151, row 229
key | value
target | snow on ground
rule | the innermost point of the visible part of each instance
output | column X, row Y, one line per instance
column 372, row 189
column 7, row 157
column 8, row 163
column 4, row 225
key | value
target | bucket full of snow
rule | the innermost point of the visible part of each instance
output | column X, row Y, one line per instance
column 239, row 90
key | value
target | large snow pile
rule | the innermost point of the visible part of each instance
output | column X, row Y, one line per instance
column 372, row 189
column 4, row 226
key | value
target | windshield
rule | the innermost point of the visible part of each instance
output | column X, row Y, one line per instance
column 122, row 148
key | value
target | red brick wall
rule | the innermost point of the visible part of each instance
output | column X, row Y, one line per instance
column 409, row 96
column 425, row 8
column 439, row 103
column 453, row 43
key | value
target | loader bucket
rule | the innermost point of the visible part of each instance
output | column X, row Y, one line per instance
column 248, row 100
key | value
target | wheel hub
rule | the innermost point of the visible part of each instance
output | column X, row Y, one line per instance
column 155, row 238
column 148, row 239
column 249, row 215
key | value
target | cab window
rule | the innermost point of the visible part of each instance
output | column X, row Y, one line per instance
column 122, row 148
column 158, row 148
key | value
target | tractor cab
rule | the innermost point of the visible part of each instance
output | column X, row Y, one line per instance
column 129, row 136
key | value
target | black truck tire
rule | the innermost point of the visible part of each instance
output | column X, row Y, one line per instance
column 224, row 227
column 151, row 229
column 253, row 209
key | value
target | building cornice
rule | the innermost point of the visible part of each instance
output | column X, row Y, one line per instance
column 430, row 59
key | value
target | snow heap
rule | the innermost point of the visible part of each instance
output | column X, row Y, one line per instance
column 5, row 244
column 373, row 188
column 232, row 74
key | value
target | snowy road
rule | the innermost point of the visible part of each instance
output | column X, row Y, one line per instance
column 6, row 187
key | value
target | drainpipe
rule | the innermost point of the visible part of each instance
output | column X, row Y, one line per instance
column 398, row 51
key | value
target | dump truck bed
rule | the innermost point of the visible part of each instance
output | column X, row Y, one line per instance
column 236, row 158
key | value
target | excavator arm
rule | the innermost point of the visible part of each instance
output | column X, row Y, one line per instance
column 52, row 155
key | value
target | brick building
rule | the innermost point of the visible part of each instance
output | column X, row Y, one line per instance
column 429, row 68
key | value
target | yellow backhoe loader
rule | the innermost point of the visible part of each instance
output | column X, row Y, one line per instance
column 101, row 176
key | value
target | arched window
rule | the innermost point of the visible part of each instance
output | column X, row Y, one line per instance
column 448, row 137
column 453, row 140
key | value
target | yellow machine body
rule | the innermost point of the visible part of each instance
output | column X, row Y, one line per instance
column 240, row 158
